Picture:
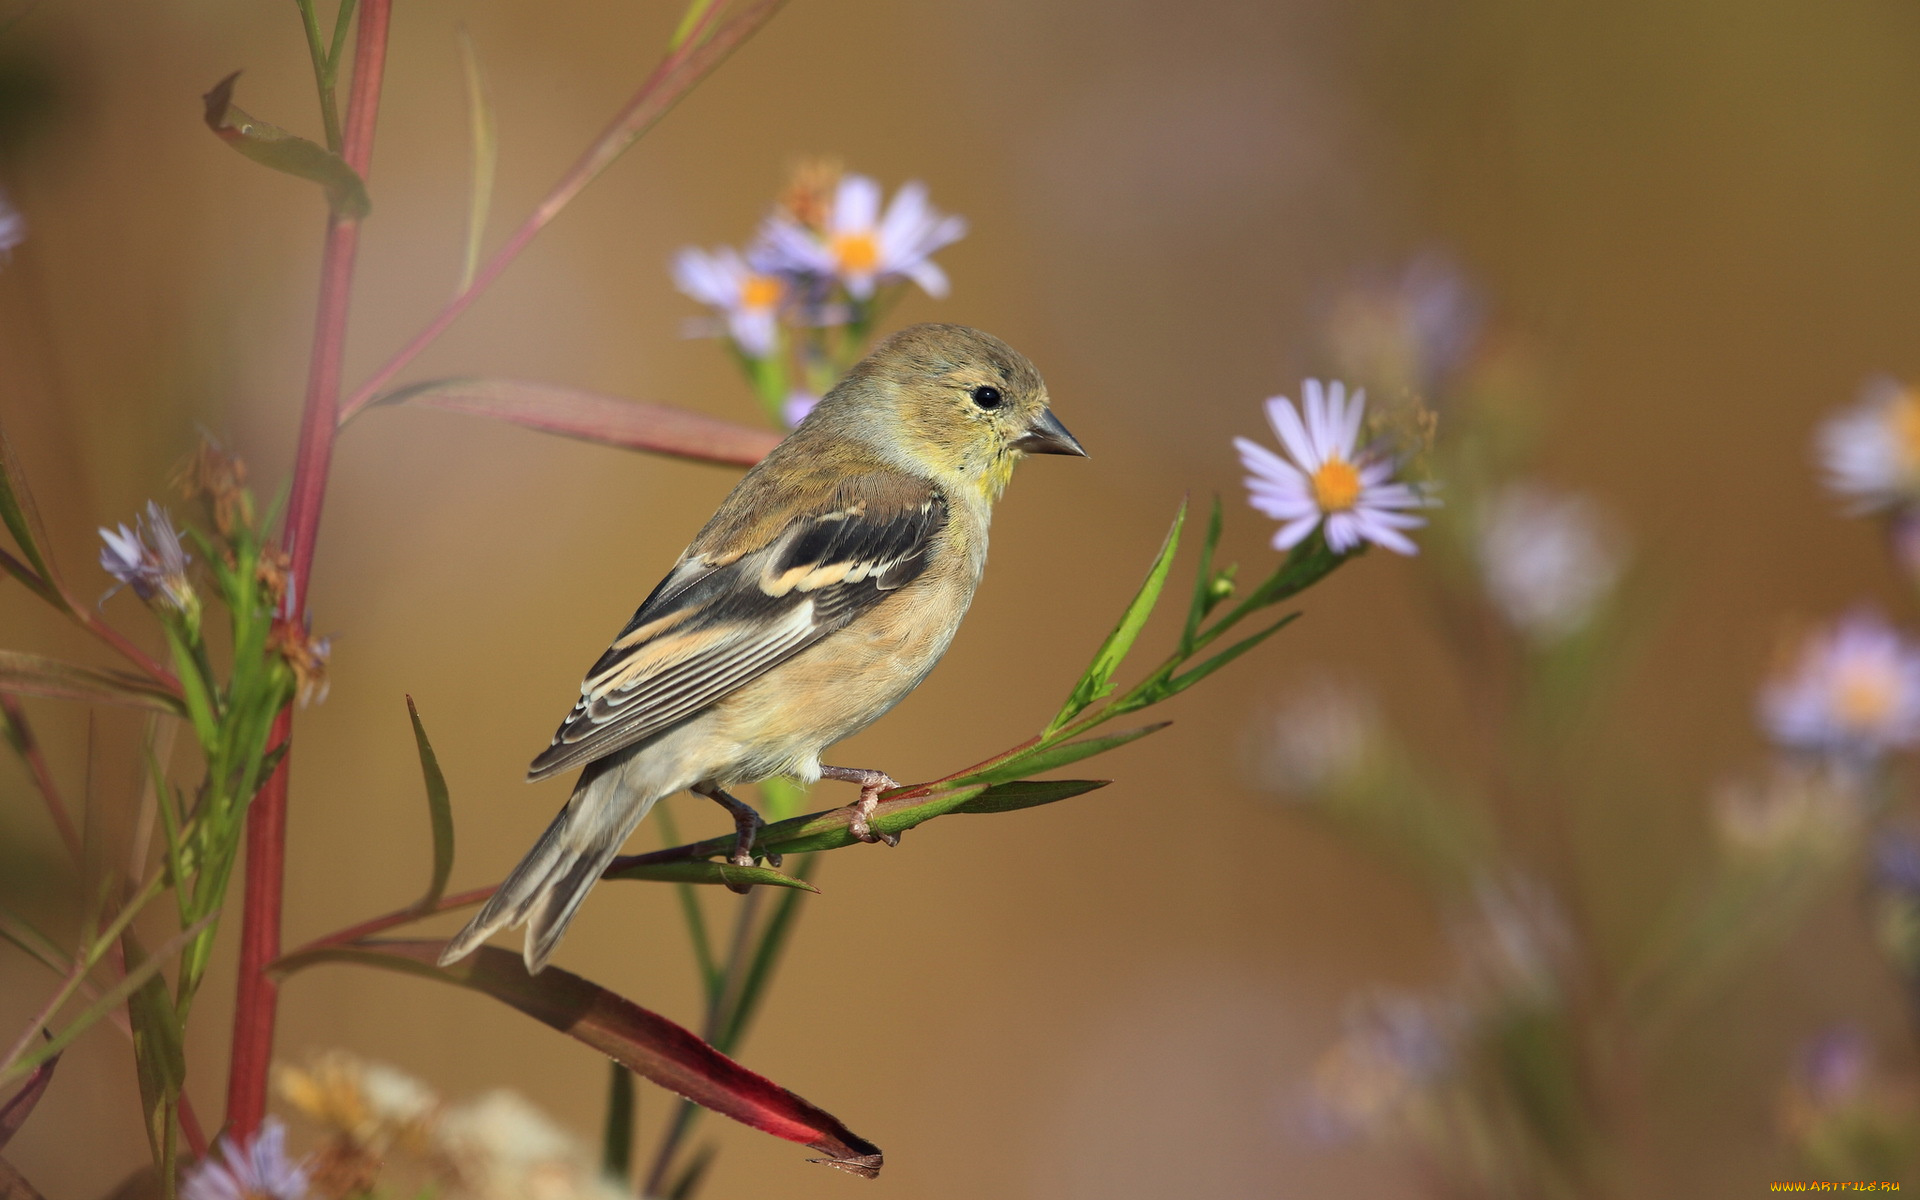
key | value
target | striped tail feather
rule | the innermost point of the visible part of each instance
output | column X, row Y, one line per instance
column 545, row 890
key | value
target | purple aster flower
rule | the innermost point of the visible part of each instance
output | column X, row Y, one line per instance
column 799, row 403
column 1326, row 477
column 748, row 300
column 862, row 246
column 254, row 1170
column 149, row 558
column 1854, row 692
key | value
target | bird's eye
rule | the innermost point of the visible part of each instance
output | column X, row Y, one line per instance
column 986, row 396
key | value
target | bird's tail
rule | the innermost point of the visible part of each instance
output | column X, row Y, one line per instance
column 546, row 889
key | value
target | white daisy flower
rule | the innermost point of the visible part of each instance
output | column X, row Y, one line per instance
column 1326, row 477
column 748, row 300
column 1871, row 452
column 1547, row 559
column 1855, row 692
column 860, row 245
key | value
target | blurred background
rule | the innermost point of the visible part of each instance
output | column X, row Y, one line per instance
column 1693, row 218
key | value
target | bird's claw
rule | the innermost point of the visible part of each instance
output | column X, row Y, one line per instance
column 862, row 809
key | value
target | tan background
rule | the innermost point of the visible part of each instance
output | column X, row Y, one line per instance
column 1701, row 214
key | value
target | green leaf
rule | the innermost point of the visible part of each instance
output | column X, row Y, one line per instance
column 1046, row 758
column 708, row 871
column 275, row 147
column 593, row 417
column 1205, row 594
column 31, row 675
column 693, row 1174
column 486, row 157
column 160, row 1061
column 439, row 811
column 766, row 955
column 644, row 1042
column 1098, row 679
column 23, row 522
column 1186, row 679
column 1029, row 793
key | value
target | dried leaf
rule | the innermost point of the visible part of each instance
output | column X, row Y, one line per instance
column 592, row 417
column 275, row 147
column 19, row 1106
column 644, row 1042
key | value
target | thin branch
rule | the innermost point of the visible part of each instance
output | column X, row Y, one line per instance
column 29, row 747
column 672, row 79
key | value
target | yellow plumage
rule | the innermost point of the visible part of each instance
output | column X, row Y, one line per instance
column 826, row 586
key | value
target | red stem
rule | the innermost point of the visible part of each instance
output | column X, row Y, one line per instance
column 256, row 1004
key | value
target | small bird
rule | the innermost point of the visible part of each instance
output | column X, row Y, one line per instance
column 828, row 584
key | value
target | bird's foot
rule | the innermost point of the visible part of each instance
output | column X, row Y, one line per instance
column 872, row 783
column 747, row 824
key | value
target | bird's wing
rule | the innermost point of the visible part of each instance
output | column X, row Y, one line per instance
column 711, row 627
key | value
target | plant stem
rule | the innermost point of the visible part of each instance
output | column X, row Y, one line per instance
column 672, row 79
column 616, row 1157
column 255, row 1007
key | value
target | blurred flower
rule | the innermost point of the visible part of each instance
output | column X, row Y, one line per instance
column 1395, row 1048
column 369, row 1103
column 858, row 244
column 1795, row 809
column 1547, row 559
column 1520, row 946
column 502, row 1148
column 799, row 403
column 1409, row 332
column 1871, row 452
column 748, row 300
column 1843, row 1119
column 305, row 655
column 1316, row 739
column 1854, row 692
column 253, row 1170
column 150, row 560
column 1328, row 480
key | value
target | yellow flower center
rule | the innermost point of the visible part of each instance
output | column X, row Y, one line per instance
column 857, row 253
column 1336, row 485
column 1864, row 695
column 1905, row 420
column 760, row 291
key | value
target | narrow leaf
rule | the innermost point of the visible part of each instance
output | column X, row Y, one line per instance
column 1047, row 758
column 766, row 956
column 273, row 146
column 486, row 156
column 439, row 811
column 644, row 1042
column 31, row 675
column 1186, row 679
column 693, row 1174
column 1098, row 679
column 19, row 1106
column 23, row 522
column 593, row 417
column 1029, row 793
column 1204, row 599
column 707, row 871
column 38, row 586
column 160, row 1061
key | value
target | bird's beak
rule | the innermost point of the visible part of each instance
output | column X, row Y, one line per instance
column 1048, row 436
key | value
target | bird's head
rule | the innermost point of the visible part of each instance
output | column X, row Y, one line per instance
column 961, row 405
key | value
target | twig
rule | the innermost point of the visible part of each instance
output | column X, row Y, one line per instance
column 29, row 747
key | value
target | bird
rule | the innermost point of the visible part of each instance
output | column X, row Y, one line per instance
column 821, row 592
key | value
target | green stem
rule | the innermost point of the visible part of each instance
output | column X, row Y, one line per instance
column 616, row 1156
column 322, row 74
